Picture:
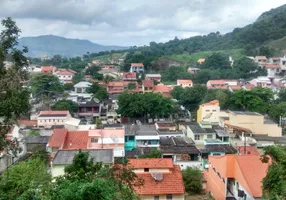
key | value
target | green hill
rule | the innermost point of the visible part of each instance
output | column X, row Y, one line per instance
column 52, row 45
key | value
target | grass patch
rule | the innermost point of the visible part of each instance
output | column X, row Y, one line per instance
column 107, row 57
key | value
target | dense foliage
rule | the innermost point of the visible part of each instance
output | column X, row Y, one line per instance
column 98, row 91
column 144, row 105
column 274, row 184
column 64, row 104
column 192, row 180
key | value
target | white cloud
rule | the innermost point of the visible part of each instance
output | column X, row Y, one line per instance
column 132, row 22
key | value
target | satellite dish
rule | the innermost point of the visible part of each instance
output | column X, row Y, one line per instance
column 157, row 176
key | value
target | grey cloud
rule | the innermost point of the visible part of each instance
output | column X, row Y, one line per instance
column 132, row 22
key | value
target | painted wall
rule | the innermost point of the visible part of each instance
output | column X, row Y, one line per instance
column 57, row 170
column 208, row 110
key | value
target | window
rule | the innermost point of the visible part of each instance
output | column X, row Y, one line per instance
column 146, row 169
column 94, row 140
column 214, row 110
column 209, row 136
column 169, row 197
column 156, row 197
column 207, row 110
column 197, row 137
column 237, row 186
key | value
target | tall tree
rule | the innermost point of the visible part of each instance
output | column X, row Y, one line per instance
column 274, row 184
column 193, row 96
column 193, row 180
column 14, row 99
column 98, row 91
column 69, row 105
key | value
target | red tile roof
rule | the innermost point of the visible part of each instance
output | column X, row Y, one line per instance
column 76, row 140
column 163, row 88
column 65, row 72
column 220, row 81
column 172, row 183
column 137, row 65
column 213, row 102
column 275, row 58
column 27, row 122
column 129, row 75
column 180, row 81
column 247, row 170
column 249, row 150
column 54, row 112
column 58, row 138
column 47, row 68
column 151, row 163
column 148, row 83
column 271, row 66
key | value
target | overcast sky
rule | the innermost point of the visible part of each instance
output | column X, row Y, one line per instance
column 132, row 22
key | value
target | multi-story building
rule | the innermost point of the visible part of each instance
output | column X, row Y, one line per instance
column 209, row 112
column 53, row 118
column 48, row 69
column 137, row 67
column 147, row 86
column 65, row 75
column 154, row 77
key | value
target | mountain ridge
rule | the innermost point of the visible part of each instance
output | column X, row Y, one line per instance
column 49, row 45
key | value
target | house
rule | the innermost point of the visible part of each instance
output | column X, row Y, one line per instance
column 261, row 81
column 254, row 122
column 199, row 132
column 147, row 86
column 201, row 60
column 48, row 69
column 81, row 87
column 89, row 139
column 222, row 83
column 53, row 118
column 170, row 133
column 154, row 77
column 185, row 83
column 129, row 76
column 145, row 135
column 165, row 125
column 64, row 158
column 89, row 110
column 193, row 70
column 215, row 150
column 162, row 179
column 110, row 70
column 274, row 60
column 235, row 177
column 117, row 87
column 36, row 141
column 163, row 90
column 137, row 67
column 65, row 75
column 209, row 112
column 182, row 150
column 260, row 59
column 27, row 124
column 272, row 69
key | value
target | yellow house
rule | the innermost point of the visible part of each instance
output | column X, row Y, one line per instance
column 209, row 112
column 65, row 157
column 255, row 122
column 147, row 86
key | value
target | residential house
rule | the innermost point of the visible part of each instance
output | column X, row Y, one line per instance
column 283, row 63
column 80, row 92
column 64, row 158
column 193, row 70
column 163, row 90
column 185, row 83
column 48, row 69
column 81, row 87
column 261, row 81
column 274, row 60
column 209, row 112
column 153, row 77
column 50, row 118
column 147, row 86
column 146, row 136
column 201, row 60
column 117, row 87
column 129, row 76
column 162, row 179
column 182, row 150
column 253, row 121
column 221, row 84
column 137, row 67
column 235, row 177
column 27, row 124
column 272, row 69
column 170, row 133
column 110, row 70
column 89, row 110
column 166, row 125
column 199, row 132
column 260, row 59
column 215, row 150
column 32, row 142
column 89, row 139
column 65, row 75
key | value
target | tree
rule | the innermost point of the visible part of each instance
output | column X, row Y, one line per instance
column 193, row 96
column 26, row 180
column 282, row 95
column 108, row 78
column 277, row 110
column 45, row 84
column 77, row 78
column 155, row 153
column 131, row 86
column 69, row 105
column 39, row 152
column 266, row 51
column 98, row 91
column 274, row 184
column 68, row 86
column 192, row 180
column 217, row 61
column 177, row 92
column 93, row 71
column 14, row 99
column 245, row 67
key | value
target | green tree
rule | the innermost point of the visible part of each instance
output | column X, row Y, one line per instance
column 98, row 91
column 266, row 51
column 245, row 67
column 34, row 133
column 274, row 184
column 93, row 71
column 277, row 110
column 39, row 152
column 193, row 96
column 68, row 86
column 177, row 92
column 108, row 78
column 14, row 99
column 69, row 105
column 155, row 153
column 216, row 61
column 45, row 84
column 131, row 86
column 193, row 180
column 77, row 78
column 26, row 180
column 282, row 95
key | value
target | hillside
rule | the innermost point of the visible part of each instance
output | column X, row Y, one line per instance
column 51, row 45
column 267, row 30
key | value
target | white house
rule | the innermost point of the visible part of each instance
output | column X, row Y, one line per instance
column 53, row 118
column 65, row 75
